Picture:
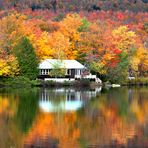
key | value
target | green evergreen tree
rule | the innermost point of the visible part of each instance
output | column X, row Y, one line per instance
column 27, row 59
column 119, row 74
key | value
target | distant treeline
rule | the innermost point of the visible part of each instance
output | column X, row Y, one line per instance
column 77, row 5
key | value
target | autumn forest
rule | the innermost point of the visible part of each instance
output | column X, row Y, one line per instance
column 110, row 40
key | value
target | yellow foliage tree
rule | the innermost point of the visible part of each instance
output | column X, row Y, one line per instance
column 42, row 46
column 59, row 45
column 140, row 60
column 9, row 67
column 69, row 28
column 123, row 38
column 11, row 27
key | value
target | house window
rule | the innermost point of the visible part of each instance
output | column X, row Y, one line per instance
column 68, row 71
column 46, row 71
column 42, row 71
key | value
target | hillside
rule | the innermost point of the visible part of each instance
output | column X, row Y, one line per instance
column 110, row 42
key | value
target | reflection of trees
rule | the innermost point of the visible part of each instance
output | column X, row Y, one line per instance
column 139, row 104
column 109, row 118
column 112, row 118
column 8, row 103
column 60, row 130
column 27, row 109
column 119, row 99
column 9, row 134
column 16, row 106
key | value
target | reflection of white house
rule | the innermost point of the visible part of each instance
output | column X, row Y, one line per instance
column 48, row 106
column 71, row 99
column 73, row 70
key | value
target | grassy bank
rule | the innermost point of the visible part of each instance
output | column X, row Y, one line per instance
column 25, row 82
column 18, row 82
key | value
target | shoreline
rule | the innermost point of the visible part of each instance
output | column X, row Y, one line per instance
column 47, row 84
column 25, row 82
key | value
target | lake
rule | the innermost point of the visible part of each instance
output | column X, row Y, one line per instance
column 74, row 117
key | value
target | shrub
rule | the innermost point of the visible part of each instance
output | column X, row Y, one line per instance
column 139, row 81
column 82, row 82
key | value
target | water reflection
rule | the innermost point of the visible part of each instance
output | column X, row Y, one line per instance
column 27, row 109
column 62, row 99
column 115, row 117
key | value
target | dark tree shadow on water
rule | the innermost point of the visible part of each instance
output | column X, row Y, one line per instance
column 27, row 109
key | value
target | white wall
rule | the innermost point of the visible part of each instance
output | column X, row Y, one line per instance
column 59, row 79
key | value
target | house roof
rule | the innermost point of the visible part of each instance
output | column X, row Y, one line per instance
column 68, row 64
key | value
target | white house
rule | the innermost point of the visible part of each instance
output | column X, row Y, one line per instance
column 73, row 70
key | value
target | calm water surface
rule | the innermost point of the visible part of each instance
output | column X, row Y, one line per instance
column 74, row 118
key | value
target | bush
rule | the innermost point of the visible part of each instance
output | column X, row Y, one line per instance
column 66, row 83
column 36, row 82
column 48, row 83
column 19, row 81
column 82, row 82
column 139, row 81
column 16, row 81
